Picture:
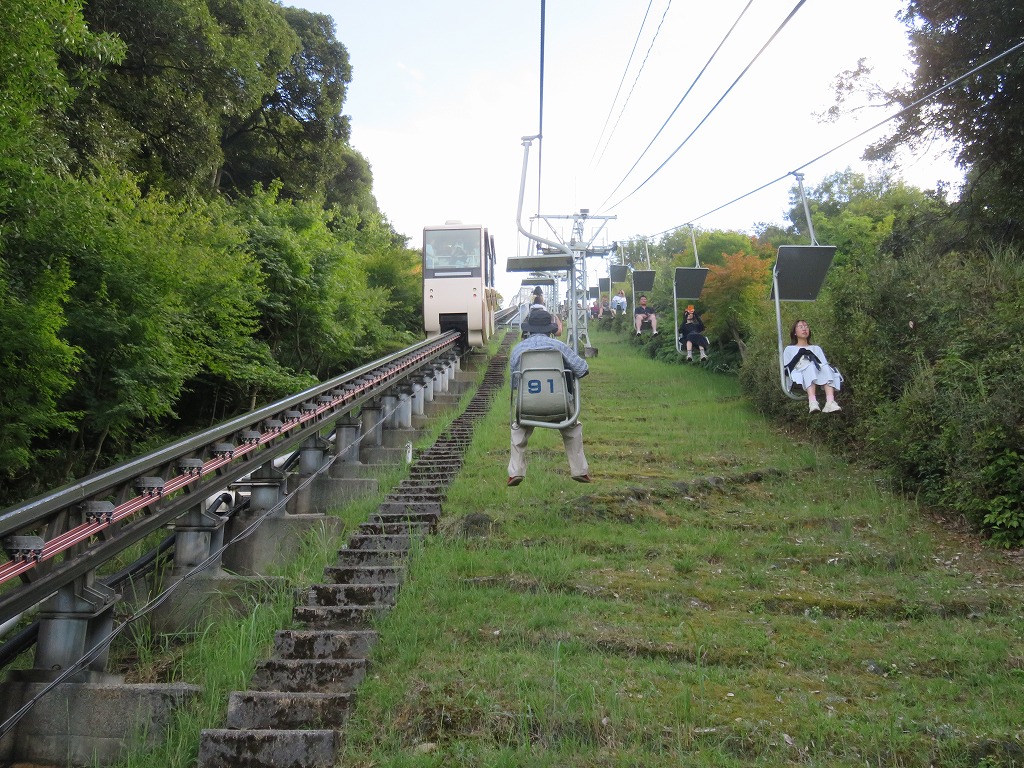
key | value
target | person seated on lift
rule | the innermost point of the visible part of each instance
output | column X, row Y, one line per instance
column 692, row 333
column 644, row 314
column 808, row 367
column 538, row 312
column 538, row 334
column 619, row 302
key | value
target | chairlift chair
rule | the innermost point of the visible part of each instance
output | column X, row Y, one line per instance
column 798, row 275
column 544, row 393
column 643, row 282
column 687, row 285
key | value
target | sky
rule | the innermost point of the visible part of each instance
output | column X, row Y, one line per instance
column 444, row 91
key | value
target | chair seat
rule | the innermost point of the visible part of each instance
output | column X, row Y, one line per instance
column 546, row 394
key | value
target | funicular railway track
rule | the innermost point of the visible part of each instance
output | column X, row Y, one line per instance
column 298, row 701
column 60, row 544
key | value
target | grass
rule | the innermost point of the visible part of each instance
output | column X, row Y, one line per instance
column 725, row 593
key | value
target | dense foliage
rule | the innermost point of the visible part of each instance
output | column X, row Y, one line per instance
column 982, row 114
column 922, row 308
column 185, row 231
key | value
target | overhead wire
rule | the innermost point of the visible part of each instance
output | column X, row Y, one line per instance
column 676, row 108
column 836, row 148
column 775, row 34
column 636, row 79
column 540, row 110
column 625, row 71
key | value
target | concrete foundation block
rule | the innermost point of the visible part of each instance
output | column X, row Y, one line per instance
column 397, row 438
column 73, row 725
column 196, row 598
column 277, row 540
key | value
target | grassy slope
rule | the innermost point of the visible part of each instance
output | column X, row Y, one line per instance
column 722, row 594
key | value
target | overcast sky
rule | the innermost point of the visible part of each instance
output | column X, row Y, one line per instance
column 443, row 91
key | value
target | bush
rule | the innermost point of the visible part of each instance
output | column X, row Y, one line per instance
column 931, row 351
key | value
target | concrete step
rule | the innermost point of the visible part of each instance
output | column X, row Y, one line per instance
column 392, row 528
column 399, row 496
column 370, row 557
column 352, row 594
column 365, row 574
column 396, row 543
column 272, row 710
column 309, row 675
column 339, row 616
column 393, row 512
column 324, row 644
column 423, row 510
column 225, row 748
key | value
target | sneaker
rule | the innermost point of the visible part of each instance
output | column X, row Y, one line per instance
column 703, row 356
column 831, row 407
column 638, row 333
column 515, row 480
column 581, row 478
column 654, row 334
column 814, row 407
column 689, row 358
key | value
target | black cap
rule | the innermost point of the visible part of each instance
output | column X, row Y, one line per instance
column 539, row 321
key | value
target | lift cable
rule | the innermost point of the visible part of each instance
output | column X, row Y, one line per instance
column 673, row 112
column 540, row 111
column 717, row 103
column 621, row 81
column 635, row 81
column 877, row 125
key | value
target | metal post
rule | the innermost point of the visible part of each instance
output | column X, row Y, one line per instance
column 269, row 486
column 807, row 210
column 373, row 429
column 346, row 439
column 71, row 623
column 311, row 455
column 403, row 409
column 390, row 404
column 417, row 396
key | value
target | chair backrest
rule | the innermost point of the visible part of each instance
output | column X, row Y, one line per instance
column 545, row 396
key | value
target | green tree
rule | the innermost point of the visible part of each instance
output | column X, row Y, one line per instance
column 857, row 213
column 735, row 290
column 297, row 133
column 317, row 312
column 983, row 114
column 191, row 70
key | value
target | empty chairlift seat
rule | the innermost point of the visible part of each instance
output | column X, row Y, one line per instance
column 546, row 393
